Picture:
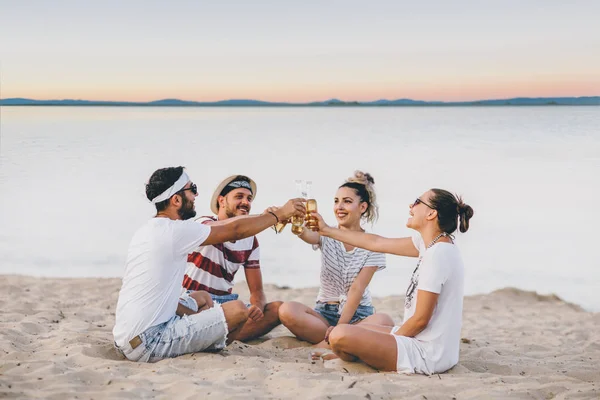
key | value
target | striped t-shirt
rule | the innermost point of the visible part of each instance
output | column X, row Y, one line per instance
column 339, row 268
column 212, row 268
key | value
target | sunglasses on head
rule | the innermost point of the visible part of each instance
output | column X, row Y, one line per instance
column 418, row 200
column 193, row 188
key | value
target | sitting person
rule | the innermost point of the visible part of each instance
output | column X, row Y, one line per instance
column 346, row 270
column 211, row 268
column 428, row 340
column 152, row 321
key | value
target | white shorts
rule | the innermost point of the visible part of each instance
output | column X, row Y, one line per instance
column 411, row 355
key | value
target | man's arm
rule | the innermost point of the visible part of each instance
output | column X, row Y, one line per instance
column 257, row 293
column 307, row 235
column 245, row 226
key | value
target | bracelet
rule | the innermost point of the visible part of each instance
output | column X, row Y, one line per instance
column 273, row 214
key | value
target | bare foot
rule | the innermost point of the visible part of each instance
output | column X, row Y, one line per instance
column 323, row 355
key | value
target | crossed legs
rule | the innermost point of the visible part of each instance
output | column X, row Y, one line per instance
column 307, row 324
column 372, row 344
column 254, row 329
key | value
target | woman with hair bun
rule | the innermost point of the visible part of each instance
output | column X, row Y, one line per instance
column 344, row 296
column 428, row 340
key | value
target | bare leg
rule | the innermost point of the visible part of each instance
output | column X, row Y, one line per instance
column 322, row 345
column 377, row 322
column 377, row 328
column 254, row 329
column 236, row 315
column 302, row 321
column 378, row 319
column 377, row 349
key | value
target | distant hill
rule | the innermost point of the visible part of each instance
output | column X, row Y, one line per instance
column 518, row 101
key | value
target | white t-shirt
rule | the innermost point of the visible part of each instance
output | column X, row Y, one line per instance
column 339, row 269
column 155, row 266
column 441, row 270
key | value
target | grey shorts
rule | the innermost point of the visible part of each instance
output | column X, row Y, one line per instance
column 206, row 330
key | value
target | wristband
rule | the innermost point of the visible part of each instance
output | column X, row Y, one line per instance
column 273, row 214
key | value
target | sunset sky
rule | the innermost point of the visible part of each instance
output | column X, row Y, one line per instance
column 299, row 51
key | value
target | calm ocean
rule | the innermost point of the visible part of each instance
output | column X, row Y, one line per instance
column 72, row 184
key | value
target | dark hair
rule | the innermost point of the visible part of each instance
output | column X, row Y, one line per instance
column 362, row 183
column 161, row 180
column 450, row 209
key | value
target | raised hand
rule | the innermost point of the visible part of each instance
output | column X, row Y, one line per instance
column 293, row 207
column 317, row 223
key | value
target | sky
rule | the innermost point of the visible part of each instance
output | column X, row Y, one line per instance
column 299, row 51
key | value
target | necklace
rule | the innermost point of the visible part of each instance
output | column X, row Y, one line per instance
column 438, row 237
column 414, row 280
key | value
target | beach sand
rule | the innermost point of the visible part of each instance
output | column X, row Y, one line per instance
column 56, row 343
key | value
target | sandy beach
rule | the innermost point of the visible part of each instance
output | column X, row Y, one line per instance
column 56, row 343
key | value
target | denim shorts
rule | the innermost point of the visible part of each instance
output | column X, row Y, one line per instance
column 224, row 298
column 330, row 313
column 206, row 330
column 221, row 299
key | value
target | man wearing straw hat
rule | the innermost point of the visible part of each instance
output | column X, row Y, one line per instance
column 152, row 320
column 211, row 268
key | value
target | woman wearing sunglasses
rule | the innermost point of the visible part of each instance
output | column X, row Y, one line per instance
column 346, row 271
column 427, row 342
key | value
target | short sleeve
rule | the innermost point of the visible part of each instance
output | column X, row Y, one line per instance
column 253, row 261
column 207, row 220
column 418, row 242
column 319, row 246
column 187, row 235
column 375, row 260
column 433, row 273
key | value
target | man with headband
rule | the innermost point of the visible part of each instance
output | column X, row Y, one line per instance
column 212, row 268
column 152, row 321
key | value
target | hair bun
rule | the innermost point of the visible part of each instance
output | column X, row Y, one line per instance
column 464, row 209
column 465, row 213
column 362, row 177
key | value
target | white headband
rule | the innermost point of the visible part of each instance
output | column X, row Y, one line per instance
column 177, row 186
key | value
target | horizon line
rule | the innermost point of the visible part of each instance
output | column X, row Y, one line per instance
column 329, row 100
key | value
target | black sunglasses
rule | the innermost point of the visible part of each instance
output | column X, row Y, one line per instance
column 418, row 200
column 193, row 188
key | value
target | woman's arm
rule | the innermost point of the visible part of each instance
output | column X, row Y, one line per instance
column 426, row 302
column 310, row 237
column 355, row 293
column 369, row 241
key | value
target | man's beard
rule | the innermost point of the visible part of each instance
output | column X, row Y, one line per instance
column 231, row 212
column 187, row 209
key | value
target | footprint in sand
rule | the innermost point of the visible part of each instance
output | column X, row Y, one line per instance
column 32, row 328
column 104, row 351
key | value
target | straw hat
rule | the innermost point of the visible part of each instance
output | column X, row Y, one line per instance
column 219, row 189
